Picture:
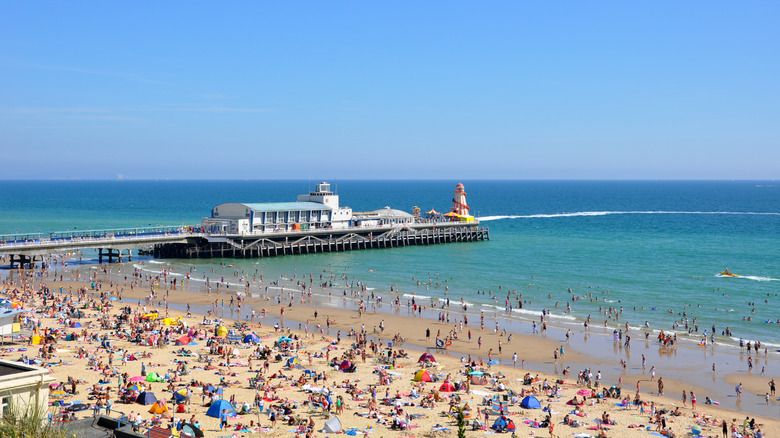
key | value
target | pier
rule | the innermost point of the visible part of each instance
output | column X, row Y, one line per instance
column 322, row 241
column 25, row 250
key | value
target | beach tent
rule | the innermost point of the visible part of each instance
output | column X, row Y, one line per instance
column 222, row 331
column 233, row 338
column 530, row 402
column 172, row 321
column 154, row 377
column 478, row 379
column 447, row 386
column 251, row 339
column 502, row 424
column 75, row 325
column 423, row 376
column 345, row 365
column 332, row 426
column 184, row 340
column 181, row 395
column 159, row 408
column 190, row 430
column 216, row 408
column 294, row 362
column 145, row 398
column 426, row 356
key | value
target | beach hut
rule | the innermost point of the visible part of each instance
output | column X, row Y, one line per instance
column 531, row 402
column 423, row 376
column 216, row 408
column 145, row 398
column 251, row 339
column 447, row 386
column 332, row 426
column 426, row 356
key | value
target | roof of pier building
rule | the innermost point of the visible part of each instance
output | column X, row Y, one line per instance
column 242, row 210
column 391, row 213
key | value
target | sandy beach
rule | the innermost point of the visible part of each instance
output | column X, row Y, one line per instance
column 375, row 394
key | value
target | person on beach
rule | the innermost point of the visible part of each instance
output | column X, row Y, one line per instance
column 772, row 387
column 660, row 386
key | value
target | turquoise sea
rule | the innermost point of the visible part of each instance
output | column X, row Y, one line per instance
column 631, row 244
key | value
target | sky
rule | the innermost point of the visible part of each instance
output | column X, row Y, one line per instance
column 390, row 90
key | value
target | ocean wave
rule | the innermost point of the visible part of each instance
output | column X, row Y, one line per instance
column 157, row 262
column 607, row 213
column 419, row 297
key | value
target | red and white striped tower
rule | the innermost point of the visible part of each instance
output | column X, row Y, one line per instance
column 459, row 205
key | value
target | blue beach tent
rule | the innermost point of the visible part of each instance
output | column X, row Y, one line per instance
column 216, row 408
column 531, row 402
column 145, row 398
column 251, row 339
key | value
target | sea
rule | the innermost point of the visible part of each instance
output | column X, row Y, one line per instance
column 652, row 251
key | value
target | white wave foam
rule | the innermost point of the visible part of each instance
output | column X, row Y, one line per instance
column 606, row 213
column 419, row 297
column 749, row 277
column 156, row 262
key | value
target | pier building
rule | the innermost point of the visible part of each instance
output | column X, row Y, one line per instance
column 318, row 209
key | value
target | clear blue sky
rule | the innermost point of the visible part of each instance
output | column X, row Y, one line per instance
column 464, row 90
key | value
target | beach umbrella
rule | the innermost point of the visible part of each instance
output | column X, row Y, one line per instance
column 145, row 398
column 134, row 388
column 137, row 379
column 190, row 430
column 285, row 339
column 294, row 362
column 476, row 373
column 426, row 356
column 181, row 394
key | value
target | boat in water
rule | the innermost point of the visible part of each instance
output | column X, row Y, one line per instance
column 726, row 273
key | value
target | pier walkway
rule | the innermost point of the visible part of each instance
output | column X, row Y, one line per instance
column 189, row 242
